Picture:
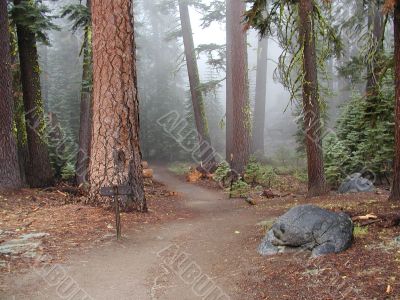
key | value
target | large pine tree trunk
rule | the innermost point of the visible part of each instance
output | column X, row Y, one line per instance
column 38, row 169
column 206, row 151
column 82, row 162
column 9, row 168
column 261, row 95
column 115, row 157
column 229, row 83
column 238, row 121
column 395, row 193
column 311, row 106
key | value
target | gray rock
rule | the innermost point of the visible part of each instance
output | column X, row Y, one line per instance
column 356, row 184
column 25, row 245
column 308, row 227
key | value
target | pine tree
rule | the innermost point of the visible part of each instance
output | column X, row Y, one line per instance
column 9, row 168
column 206, row 152
column 81, row 17
column 261, row 95
column 312, row 114
column 395, row 193
column 38, row 169
column 115, row 151
column 238, row 117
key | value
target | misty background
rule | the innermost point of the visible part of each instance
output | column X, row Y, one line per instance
column 163, row 82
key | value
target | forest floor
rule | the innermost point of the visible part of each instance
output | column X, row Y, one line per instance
column 211, row 236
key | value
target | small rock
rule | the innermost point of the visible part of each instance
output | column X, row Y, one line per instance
column 25, row 245
column 356, row 184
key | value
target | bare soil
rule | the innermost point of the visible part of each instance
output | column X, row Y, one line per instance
column 207, row 230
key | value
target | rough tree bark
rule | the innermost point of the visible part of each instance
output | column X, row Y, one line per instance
column 9, row 168
column 82, row 161
column 311, row 106
column 375, row 25
column 206, row 153
column 395, row 193
column 38, row 169
column 237, row 93
column 374, row 67
column 261, row 95
column 115, row 156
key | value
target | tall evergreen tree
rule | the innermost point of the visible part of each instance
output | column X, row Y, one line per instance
column 311, row 105
column 261, row 95
column 81, row 17
column 206, row 151
column 9, row 168
column 238, row 123
column 38, row 169
column 395, row 193
column 115, row 151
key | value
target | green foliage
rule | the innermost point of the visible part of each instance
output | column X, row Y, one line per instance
column 362, row 143
column 282, row 19
column 79, row 14
column 239, row 189
column 179, row 168
column 62, row 150
column 35, row 17
column 301, row 175
column 216, row 56
column 68, row 172
column 334, row 152
column 222, row 171
column 256, row 173
column 359, row 231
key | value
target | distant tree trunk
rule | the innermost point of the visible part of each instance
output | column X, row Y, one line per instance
column 261, row 95
column 207, row 155
column 82, row 162
column 375, row 25
column 115, row 157
column 238, row 121
column 395, row 193
column 38, row 169
column 311, row 106
column 229, row 82
column 9, row 168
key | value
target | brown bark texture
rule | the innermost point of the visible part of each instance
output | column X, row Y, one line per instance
column 311, row 106
column 238, row 121
column 38, row 169
column 115, row 156
column 206, row 152
column 9, row 168
column 82, row 161
column 395, row 192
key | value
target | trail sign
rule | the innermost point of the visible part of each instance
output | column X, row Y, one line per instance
column 115, row 191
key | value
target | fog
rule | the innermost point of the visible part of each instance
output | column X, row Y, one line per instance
column 163, row 81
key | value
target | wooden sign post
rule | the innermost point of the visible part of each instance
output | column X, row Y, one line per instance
column 114, row 192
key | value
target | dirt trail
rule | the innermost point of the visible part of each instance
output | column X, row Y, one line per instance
column 211, row 243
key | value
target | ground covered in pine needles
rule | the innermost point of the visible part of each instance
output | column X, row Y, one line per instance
column 368, row 270
column 66, row 225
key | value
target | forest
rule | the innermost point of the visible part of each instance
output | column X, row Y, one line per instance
column 199, row 149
